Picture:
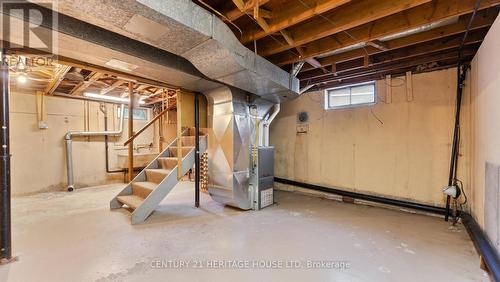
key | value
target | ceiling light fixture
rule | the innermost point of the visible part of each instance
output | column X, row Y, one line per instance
column 22, row 78
column 110, row 98
column 106, row 98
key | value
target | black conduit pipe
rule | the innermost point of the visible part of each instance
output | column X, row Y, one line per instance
column 359, row 196
column 197, row 149
column 461, row 75
column 483, row 245
column 5, row 216
column 106, row 146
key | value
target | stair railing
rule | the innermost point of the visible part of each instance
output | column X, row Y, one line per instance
column 151, row 122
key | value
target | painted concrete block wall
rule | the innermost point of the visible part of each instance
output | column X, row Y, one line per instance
column 485, row 121
column 38, row 156
column 405, row 155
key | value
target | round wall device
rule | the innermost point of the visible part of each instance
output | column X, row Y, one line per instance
column 303, row 117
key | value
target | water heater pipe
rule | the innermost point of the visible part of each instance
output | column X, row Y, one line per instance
column 267, row 123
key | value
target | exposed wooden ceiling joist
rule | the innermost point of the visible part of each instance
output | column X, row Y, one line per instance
column 355, row 68
column 431, row 64
column 291, row 15
column 247, row 7
column 481, row 20
column 409, row 19
column 56, row 80
column 112, row 87
column 91, row 78
column 346, row 17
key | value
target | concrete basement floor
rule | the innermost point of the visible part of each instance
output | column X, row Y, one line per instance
column 75, row 237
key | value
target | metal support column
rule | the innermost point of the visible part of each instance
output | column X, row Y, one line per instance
column 197, row 149
column 5, row 214
column 130, row 131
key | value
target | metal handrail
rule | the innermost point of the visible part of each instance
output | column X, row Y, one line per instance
column 147, row 125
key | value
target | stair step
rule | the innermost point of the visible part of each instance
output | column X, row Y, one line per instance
column 185, row 150
column 143, row 189
column 168, row 162
column 132, row 201
column 156, row 175
column 188, row 141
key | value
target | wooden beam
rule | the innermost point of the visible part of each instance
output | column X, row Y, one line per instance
column 91, row 78
column 256, row 9
column 312, row 61
column 352, row 15
column 407, row 53
column 112, row 87
column 151, row 122
column 481, row 20
column 130, row 131
column 265, row 13
column 237, row 13
column 395, row 66
column 56, row 80
column 288, row 38
column 291, row 15
column 413, row 18
column 40, row 110
column 179, row 134
column 378, row 44
column 240, row 4
column 438, row 62
column 262, row 23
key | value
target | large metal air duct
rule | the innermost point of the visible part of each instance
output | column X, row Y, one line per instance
column 187, row 30
column 232, row 137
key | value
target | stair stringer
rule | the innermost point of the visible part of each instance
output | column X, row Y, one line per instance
column 141, row 213
column 150, row 203
column 114, row 203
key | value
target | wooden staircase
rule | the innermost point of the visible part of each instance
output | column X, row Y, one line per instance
column 153, row 184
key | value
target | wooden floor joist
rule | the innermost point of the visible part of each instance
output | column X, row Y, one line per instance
column 396, row 23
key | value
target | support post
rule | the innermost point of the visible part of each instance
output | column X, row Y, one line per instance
column 197, row 149
column 5, row 215
column 130, row 131
column 179, row 135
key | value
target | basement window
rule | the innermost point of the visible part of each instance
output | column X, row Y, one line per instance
column 350, row 95
column 138, row 114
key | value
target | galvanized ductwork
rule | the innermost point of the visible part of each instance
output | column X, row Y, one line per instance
column 185, row 29
column 232, row 136
column 180, row 43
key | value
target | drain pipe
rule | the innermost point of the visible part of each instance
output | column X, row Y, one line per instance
column 106, row 142
column 267, row 124
column 69, row 148
column 5, row 184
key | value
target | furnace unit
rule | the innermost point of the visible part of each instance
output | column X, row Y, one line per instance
column 263, row 178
